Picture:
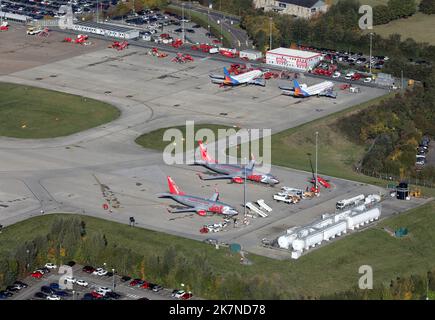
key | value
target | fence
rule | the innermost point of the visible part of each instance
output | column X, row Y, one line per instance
column 390, row 177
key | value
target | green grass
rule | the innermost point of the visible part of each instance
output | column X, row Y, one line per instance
column 337, row 154
column 33, row 113
column 416, row 27
column 154, row 139
column 330, row 269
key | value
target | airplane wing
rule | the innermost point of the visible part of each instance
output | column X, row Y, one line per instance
column 218, row 81
column 216, row 76
column 215, row 197
column 183, row 210
column 217, row 177
column 328, row 93
column 258, row 82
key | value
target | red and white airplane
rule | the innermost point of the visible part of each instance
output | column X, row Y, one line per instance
column 197, row 204
column 234, row 172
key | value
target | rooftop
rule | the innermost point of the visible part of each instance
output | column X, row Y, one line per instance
column 294, row 53
column 104, row 26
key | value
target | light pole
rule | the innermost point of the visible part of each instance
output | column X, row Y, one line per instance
column 74, row 295
column 113, row 280
column 370, row 63
column 317, row 135
column 97, row 11
column 270, row 33
column 244, row 191
column 182, row 20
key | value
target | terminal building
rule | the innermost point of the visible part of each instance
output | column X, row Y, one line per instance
column 14, row 17
column 107, row 30
column 293, row 59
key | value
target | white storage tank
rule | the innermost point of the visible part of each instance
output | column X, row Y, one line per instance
column 334, row 230
column 310, row 241
column 286, row 240
column 356, row 220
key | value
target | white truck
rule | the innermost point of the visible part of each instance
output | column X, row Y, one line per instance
column 351, row 202
column 285, row 198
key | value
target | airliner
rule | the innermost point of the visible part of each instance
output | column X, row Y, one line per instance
column 251, row 77
column 324, row 88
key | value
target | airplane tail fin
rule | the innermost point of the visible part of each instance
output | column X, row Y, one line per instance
column 296, row 84
column 228, row 77
column 204, row 155
column 173, row 188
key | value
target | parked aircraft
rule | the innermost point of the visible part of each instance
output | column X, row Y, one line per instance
column 234, row 172
column 250, row 77
column 324, row 88
column 196, row 204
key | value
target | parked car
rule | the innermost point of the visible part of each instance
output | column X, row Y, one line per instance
column 71, row 263
column 53, row 297
column 82, row 283
column 40, row 295
column 136, row 282
column 88, row 269
column 36, row 275
column 61, row 293
column 70, row 279
column 6, row 293
column 20, row 283
column 12, row 288
column 96, row 295
column 157, row 288
column 47, row 290
column 54, row 285
column 177, row 293
column 50, row 265
column 113, row 295
column 125, row 278
column 88, row 296
column 186, row 296
column 145, row 285
column 104, row 289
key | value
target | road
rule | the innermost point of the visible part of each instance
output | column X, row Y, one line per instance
column 240, row 37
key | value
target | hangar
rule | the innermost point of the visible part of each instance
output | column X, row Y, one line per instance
column 293, row 59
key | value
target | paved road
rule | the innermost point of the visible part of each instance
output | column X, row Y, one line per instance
column 229, row 22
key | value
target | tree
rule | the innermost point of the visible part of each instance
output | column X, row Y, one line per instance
column 381, row 15
column 427, row 6
column 402, row 8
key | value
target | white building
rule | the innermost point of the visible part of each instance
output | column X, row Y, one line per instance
column 251, row 54
column 293, row 59
column 107, row 30
column 297, row 8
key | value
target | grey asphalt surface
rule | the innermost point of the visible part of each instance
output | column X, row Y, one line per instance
column 57, row 175
column 240, row 37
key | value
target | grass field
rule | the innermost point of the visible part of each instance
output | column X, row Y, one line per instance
column 154, row 139
column 416, row 27
column 324, row 271
column 33, row 113
column 337, row 154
